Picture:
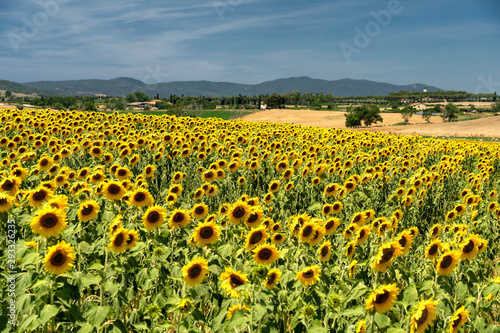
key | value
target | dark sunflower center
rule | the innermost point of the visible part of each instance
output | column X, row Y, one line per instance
column 255, row 237
column 274, row 186
column 114, row 189
column 58, row 258
column 122, row 172
column 39, row 195
column 433, row 250
column 324, row 251
column 239, row 212
column 402, row 241
column 382, row 298
column 265, row 254
column 270, row 278
column 326, row 210
column 178, row 217
column 130, row 238
column 287, row 173
column 362, row 233
column 457, row 321
column 235, row 280
column 469, row 247
column 349, row 186
column 278, row 237
column 3, row 201
column 307, row 231
column 119, row 239
column 194, row 271
column 309, row 274
column 252, row 218
column 336, row 207
column 139, row 197
column 206, row 232
column 87, row 210
column 7, row 185
column 423, row 317
column 329, row 225
column 387, row 255
column 149, row 170
column 357, row 218
column 49, row 220
column 96, row 150
column 447, row 261
column 199, row 210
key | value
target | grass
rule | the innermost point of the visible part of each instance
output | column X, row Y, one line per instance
column 469, row 138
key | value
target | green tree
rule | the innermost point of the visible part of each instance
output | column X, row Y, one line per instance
column 427, row 114
column 275, row 101
column 450, row 112
column 368, row 114
column 495, row 108
column 407, row 112
column 89, row 106
column 138, row 96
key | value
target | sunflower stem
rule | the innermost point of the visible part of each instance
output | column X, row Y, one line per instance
column 101, row 293
column 53, row 320
column 373, row 322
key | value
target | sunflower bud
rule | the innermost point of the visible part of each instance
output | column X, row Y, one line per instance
column 185, row 305
column 334, row 302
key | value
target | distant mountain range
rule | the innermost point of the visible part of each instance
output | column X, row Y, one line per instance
column 123, row 86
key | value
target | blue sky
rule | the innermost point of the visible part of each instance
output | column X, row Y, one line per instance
column 451, row 44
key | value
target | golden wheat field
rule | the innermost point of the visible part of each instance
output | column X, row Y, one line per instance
column 137, row 223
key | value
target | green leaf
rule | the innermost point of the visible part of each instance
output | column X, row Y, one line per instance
column 314, row 207
column 393, row 329
column 357, row 311
column 316, row 327
column 382, row 320
column 87, row 328
column 29, row 324
column 97, row 314
column 90, row 279
column 96, row 264
column 141, row 326
column 48, row 312
column 410, row 295
column 237, row 319
column 356, row 292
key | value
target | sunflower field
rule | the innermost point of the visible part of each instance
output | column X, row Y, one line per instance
column 143, row 223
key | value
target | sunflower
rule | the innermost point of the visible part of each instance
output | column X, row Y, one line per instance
column 49, row 222
column 6, row 202
column 59, row 201
column 458, row 320
column 239, row 212
column 113, row 190
column 39, row 196
column 59, row 258
column 235, row 307
column 432, row 250
column 460, row 209
column 274, row 186
column 331, row 190
column 368, row 215
column 195, row 271
column 470, row 247
column 362, row 234
column 447, row 263
column 44, row 163
column 199, row 211
column 436, row 231
column 350, row 231
column 307, row 231
column 88, row 210
column 255, row 216
column 358, row 218
column 492, row 206
column 133, row 238
column 405, row 239
column 278, row 238
column 327, row 209
column 272, row 278
column 451, row 215
column 350, row 248
column 255, row 237
column 383, row 298
column 289, row 186
column 331, row 225
column 119, row 239
column 140, row 198
column 423, row 316
column 361, row 326
column 325, row 251
column 309, row 275
column 386, row 253
column 231, row 280
column 350, row 186
column 179, row 219
column 154, row 217
column 206, row 233
column 266, row 254
column 352, row 268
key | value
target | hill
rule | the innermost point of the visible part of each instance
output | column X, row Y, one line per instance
column 123, row 86
column 19, row 88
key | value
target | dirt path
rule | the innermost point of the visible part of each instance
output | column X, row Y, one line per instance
column 488, row 127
